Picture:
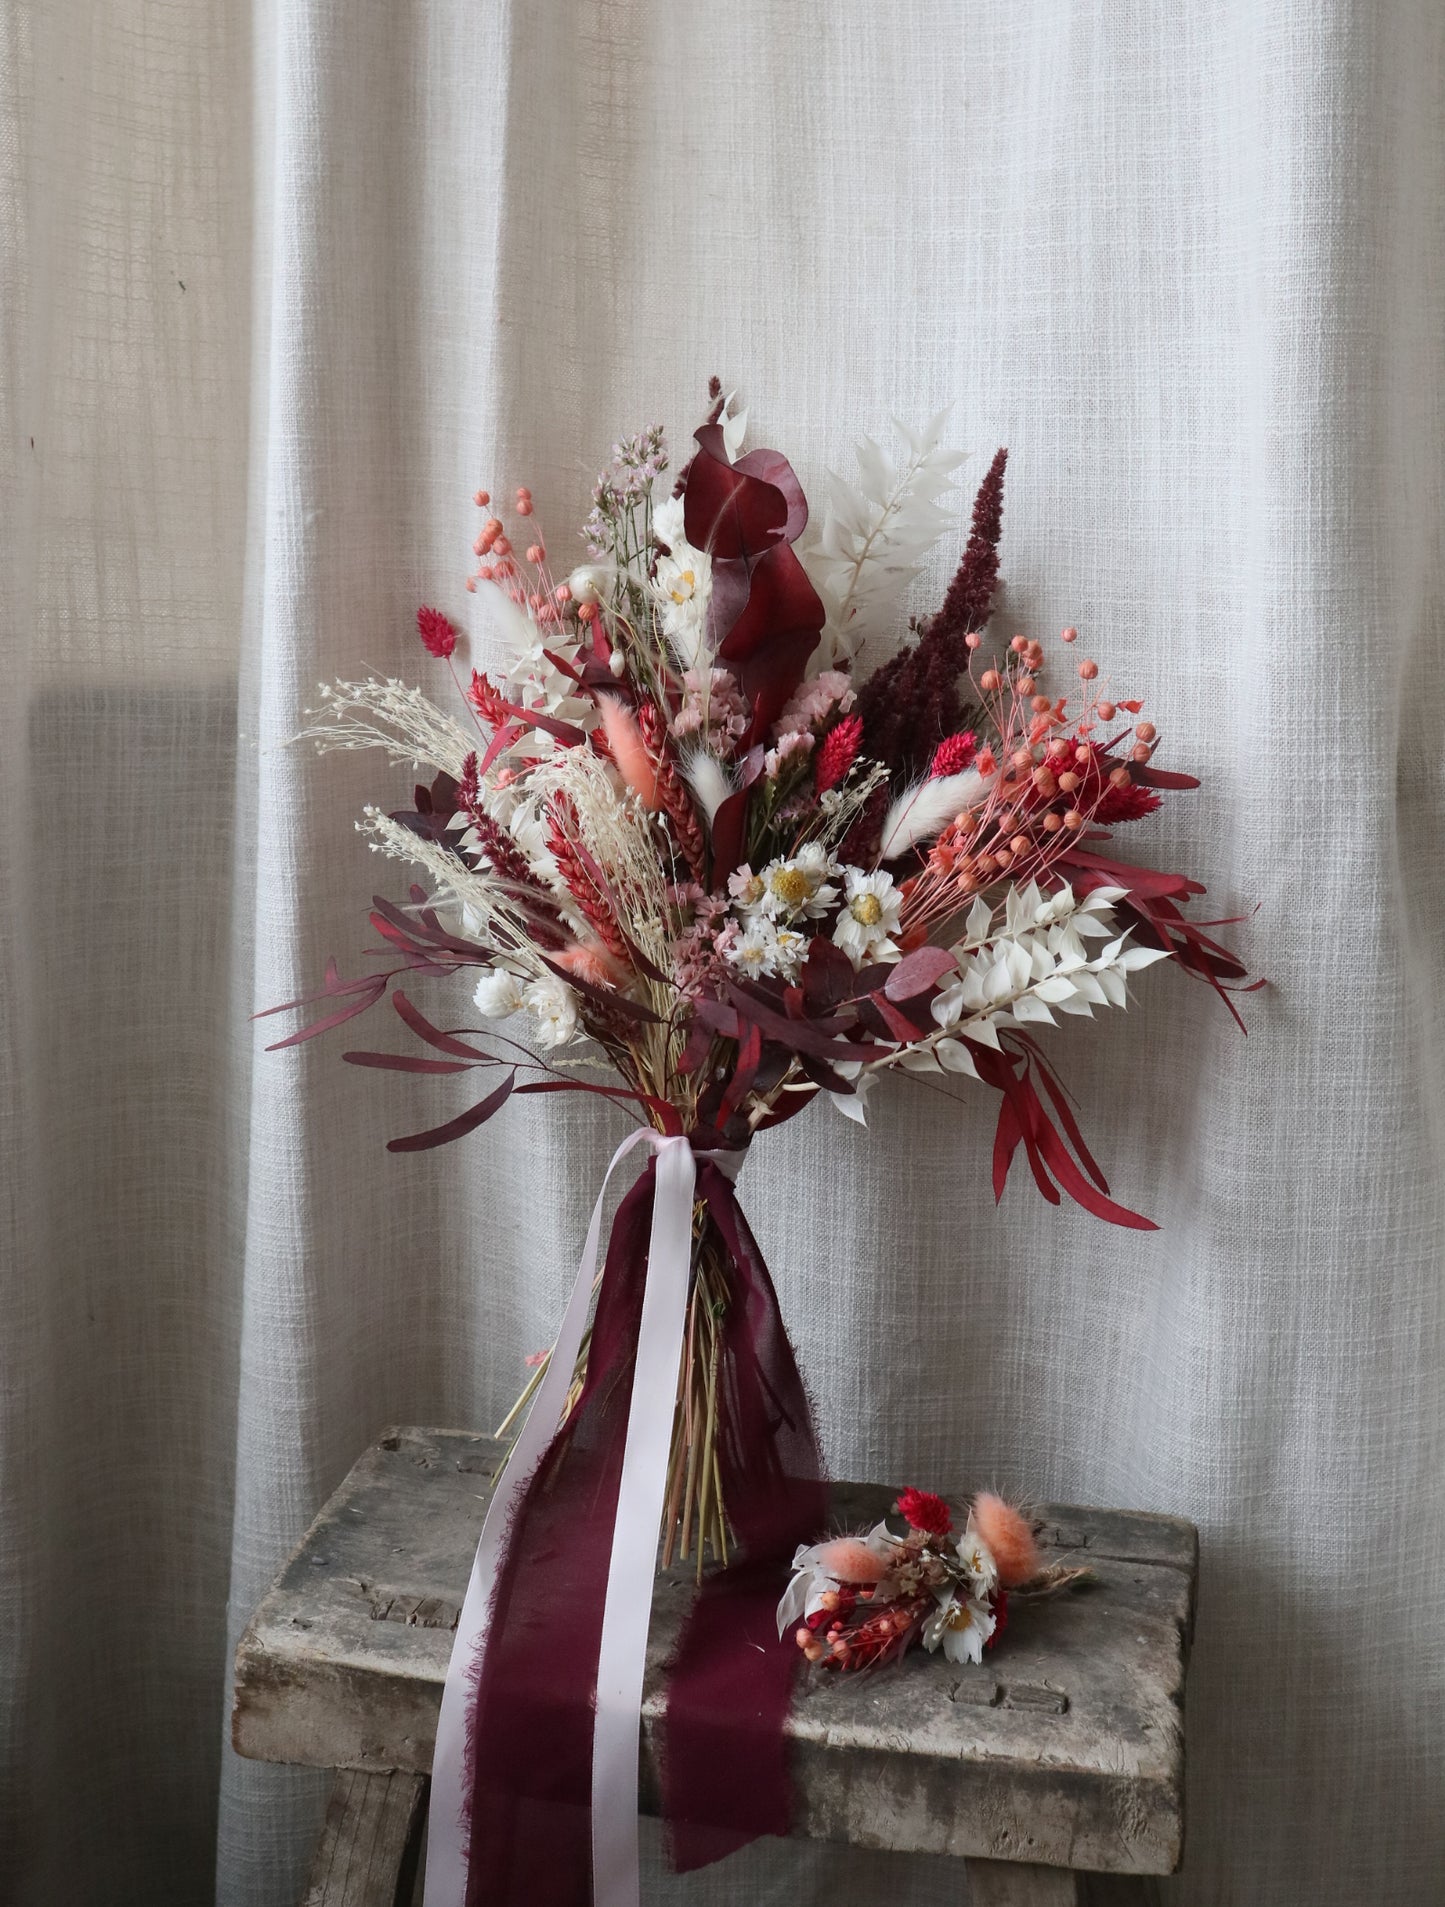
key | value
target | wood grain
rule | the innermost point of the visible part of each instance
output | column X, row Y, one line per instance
column 361, row 1858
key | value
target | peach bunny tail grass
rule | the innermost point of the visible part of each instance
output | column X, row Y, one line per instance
column 629, row 751
column 851, row 1561
column 1009, row 1536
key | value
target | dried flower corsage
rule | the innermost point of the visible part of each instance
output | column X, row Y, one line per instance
column 860, row 1601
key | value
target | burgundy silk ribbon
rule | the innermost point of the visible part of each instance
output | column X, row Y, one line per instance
column 528, row 1776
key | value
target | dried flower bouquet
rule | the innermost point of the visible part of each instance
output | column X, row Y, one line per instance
column 668, row 853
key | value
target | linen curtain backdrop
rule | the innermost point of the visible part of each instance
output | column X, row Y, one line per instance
column 282, row 284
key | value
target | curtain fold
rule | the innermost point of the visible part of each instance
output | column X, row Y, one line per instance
column 284, row 281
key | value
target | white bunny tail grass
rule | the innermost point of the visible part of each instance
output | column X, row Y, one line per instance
column 923, row 810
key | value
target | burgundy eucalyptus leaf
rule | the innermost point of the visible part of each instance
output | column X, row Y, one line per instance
column 459, row 1127
column 408, row 1063
column 412, row 1016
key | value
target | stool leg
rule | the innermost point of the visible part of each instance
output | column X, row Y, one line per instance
column 1020, row 1884
column 371, row 1823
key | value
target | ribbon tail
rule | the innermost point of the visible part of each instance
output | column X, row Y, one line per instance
column 730, row 1690
column 447, row 1822
column 616, row 1879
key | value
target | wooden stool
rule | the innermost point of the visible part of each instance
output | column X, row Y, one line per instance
column 1055, row 1768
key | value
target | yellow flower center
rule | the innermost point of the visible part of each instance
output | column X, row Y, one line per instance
column 791, row 885
column 866, row 909
column 684, row 587
column 960, row 1616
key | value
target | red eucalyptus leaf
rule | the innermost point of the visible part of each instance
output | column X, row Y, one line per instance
column 750, row 1053
column 338, row 1018
column 412, row 1063
column 1007, row 1134
column 894, row 1018
column 1054, row 1088
column 729, row 824
column 798, row 1036
column 413, row 1017
column 617, row 1003
column 459, row 1127
column 510, row 732
column 1162, row 777
column 1072, row 1180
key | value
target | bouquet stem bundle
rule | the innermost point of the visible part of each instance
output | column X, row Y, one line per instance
column 695, row 1521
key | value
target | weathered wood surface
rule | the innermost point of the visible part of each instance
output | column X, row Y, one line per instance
column 1026, row 1884
column 1020, row 1884
column 372, row 1823
column 1064, row 1748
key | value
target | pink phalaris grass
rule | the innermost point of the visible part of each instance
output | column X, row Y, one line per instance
column 672, row 791
column 436, row 632
column 925, row 1511
column 577, row 874
column 487, row 699
column 953, row 754
column 1010, row 1538
column 837, row 753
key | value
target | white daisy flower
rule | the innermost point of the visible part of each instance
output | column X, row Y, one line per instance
column 792, row 951
column 977, row 1559
column 554, row 1007
column 961, row 1625
column 869, row 917
column 745, row 887
column 755, row 949
column 669, row 522
column 681, row 587
column 799, row 889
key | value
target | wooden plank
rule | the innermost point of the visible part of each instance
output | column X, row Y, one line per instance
column 1064, row 1748
column 361, row 1859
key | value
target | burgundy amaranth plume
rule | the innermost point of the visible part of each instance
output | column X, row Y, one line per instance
column 911, row 703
